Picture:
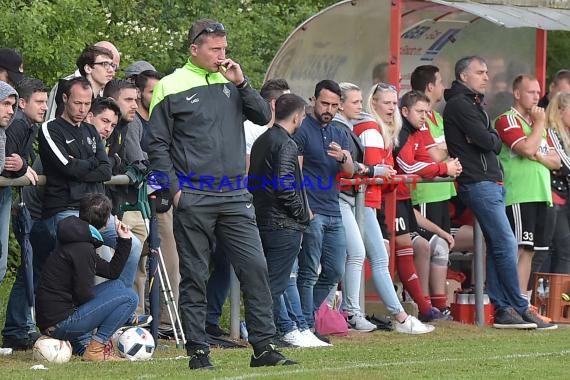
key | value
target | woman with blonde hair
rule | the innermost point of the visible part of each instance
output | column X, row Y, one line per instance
column 379, row 139
column 558, row 124
column 369, row 241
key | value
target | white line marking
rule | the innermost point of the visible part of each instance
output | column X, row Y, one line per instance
column 301, row 370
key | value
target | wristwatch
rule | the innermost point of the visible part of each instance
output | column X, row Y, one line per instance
column 243, row 84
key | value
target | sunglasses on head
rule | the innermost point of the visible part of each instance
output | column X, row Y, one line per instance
column 210, row 28
column 385, row 87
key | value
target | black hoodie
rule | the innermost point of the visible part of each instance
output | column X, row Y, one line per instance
column 469, row 135
column 68, row 276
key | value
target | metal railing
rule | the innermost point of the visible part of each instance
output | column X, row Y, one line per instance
column 359, row 211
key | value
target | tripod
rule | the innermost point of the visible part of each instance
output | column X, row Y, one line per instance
column 157, row 273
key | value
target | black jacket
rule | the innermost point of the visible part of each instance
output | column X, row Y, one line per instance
column 68, row 277
column 75, row 163
column 275, row 180
column 469, row 135
column 20, row 139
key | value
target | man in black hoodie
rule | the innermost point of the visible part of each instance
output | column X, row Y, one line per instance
column 470, row 138
column 69, row 304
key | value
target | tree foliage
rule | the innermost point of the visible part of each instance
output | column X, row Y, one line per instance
column 50, row 34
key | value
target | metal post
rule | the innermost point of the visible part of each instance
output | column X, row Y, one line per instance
column 234, row 305
column 540, row 58
column 479, row 277
column 359, row 214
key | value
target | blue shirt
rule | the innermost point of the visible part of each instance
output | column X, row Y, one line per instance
column 319, row 169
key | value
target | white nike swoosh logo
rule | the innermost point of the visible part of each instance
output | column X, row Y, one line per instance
column 188, row 98
column 248, row 205
column 69, row 141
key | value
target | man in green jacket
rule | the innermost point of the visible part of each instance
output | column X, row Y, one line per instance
column 197, row 144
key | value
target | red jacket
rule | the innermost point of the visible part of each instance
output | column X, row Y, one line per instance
column 412, row 157
column 375, row 153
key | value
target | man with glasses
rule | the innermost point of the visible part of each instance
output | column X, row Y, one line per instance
column 197, row 140
column 98, row 63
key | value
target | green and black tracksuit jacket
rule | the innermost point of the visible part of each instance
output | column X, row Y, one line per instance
column 196, row 130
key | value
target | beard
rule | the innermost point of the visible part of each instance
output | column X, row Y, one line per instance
column 321, row 117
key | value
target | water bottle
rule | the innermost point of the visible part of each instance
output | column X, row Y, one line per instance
column 243, row 330
column 546, row 289
column 540, row 291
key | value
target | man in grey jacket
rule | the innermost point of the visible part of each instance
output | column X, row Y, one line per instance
column 197, row 140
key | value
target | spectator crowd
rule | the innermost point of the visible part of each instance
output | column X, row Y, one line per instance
column 204, row 128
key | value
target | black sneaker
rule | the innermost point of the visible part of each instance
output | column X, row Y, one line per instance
column 16, row 344
column 32, row 337
column 531, row 317
column 322, row 337
column 216, row 330
column 509, row 319
column 269, row 357
column 200, row 360
column 280, row 343
column 380, row 322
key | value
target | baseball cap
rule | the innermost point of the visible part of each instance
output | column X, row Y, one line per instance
column 138, row 67
column 12, row 62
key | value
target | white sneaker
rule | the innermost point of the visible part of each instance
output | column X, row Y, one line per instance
column 412, row 325
column 295, row 339
column 311, row 339
column 359, row 323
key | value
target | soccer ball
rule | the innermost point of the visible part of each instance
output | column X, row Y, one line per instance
column 52, row 350
column 136, row 343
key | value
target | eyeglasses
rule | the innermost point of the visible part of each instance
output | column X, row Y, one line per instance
column 211, row 28
column 107, row 65
column 385, row 87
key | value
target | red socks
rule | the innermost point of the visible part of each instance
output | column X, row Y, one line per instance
column 407, row 273
column 439, row 301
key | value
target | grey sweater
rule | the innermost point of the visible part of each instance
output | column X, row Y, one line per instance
column 5, row 91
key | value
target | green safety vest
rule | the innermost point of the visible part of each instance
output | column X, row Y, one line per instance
column 434, row 192
column 525, row 180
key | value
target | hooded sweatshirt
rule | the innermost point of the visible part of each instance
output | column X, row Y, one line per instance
column 469, row 135
column 5, row 91
column 68, row 277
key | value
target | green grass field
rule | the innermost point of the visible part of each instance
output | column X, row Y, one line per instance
column 453, row 351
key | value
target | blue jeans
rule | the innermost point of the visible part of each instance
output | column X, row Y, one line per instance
column 5, row 207
column 487, row 201
column 281, row 247
column 371, row 243
column 290, row 311
column 19, row 321
column 112, row 305
column 324, row 243
column 110, row 240
column 218, row 286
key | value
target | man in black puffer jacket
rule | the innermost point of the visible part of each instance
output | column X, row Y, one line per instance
column 280, row 201
column 470, row 138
